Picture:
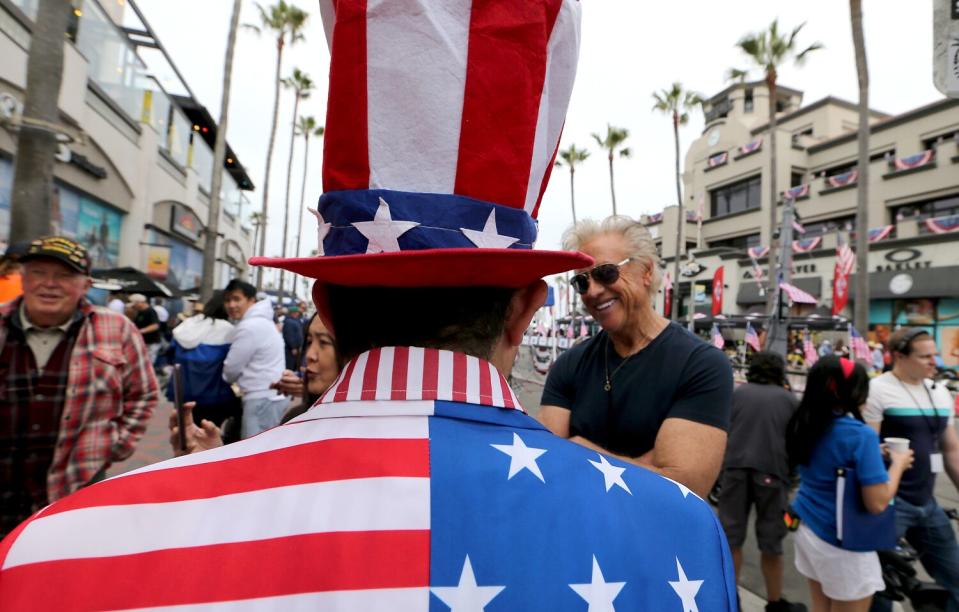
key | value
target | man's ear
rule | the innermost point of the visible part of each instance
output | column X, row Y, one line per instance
column 522, row 307
column 322, row 301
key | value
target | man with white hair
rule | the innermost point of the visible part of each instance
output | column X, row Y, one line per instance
column 643, row 388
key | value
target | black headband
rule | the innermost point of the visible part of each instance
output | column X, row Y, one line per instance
column 902, row 346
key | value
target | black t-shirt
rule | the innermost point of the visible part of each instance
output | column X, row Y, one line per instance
column 675, row 376
column 144, row 318
column 757, row 433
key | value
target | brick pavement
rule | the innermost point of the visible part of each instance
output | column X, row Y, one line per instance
column 153, row 447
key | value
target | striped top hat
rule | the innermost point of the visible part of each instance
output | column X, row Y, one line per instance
column 442, row 126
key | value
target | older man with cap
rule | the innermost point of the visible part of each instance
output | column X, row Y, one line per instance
column 417, row 482
column 76, row 386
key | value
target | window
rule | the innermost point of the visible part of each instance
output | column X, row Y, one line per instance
column 940, row 207
column 837, row 170
column 795, row 178
column 748, row 100
column 829, row 225
column 739, row 242
column 738, row 197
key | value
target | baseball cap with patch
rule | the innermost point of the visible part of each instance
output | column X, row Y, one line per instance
column 64, row 250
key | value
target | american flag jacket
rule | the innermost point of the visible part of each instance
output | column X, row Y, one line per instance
column 417, row 482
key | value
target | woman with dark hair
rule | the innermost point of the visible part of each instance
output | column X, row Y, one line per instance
column 200, row 344
column 319, row 370
column 826, row 433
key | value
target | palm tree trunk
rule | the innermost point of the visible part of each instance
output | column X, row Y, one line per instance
column 773, row 282
column 679, row 225
column 572, row 192
column 612, row 187
column 219, row 154
column 269, row 157
column 299, row 225
column 861, row 314
column 286, row 205
column 31, row 200
column 256, row 233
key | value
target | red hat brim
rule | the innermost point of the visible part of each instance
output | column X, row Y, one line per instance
column 510, row 268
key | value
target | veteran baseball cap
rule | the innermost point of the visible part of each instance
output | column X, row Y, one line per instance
column 64, row 250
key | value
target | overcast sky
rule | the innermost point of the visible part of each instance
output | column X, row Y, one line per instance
column 630, row 48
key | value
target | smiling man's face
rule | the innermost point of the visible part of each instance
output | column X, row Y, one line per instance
column 52, row 291
column 616, row 306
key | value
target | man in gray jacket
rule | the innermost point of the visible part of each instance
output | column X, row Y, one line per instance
column 255, row 360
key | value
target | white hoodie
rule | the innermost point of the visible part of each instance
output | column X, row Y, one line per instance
column 256, row 358
column 198, row 330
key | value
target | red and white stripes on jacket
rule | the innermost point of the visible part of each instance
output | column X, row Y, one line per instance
column 413, row 373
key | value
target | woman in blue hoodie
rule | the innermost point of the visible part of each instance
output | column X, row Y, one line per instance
column 200, row 345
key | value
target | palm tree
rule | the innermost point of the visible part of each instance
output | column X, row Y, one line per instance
column 256, row 220
column 286, row 22
column 302, row 86
column 219, row 153
column 768, row 50
column 570, row 158
column 307, row 128
column 861, row 314
column 676, row 102
column 31, row 202
column 614, row 140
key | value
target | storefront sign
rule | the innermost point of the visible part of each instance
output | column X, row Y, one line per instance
column 185, row 223
column 691, row 268
column 69, row 156
column 809, row 268
column 900, row 284
column 904, row 259
column 158, row 261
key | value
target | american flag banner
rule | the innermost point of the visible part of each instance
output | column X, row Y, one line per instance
column 757, row 271
column 717, row 337
column 914, row 161
column 416, row 483
column 841, row 180
column 700, row 207
column 758, row 252
column 806, row 244
column 655, row 218
column 569, row 329
column 750, row 147
column 797, row 192
column 810, row 356
column 583, row 330
column 880, row 233
column 798, row 228
column 860, row 349
column 796, row 295
column 845, row 258
column 692, row 216
column 943, row 225
column 667, row 294
column 752, row 338
column 717, row 160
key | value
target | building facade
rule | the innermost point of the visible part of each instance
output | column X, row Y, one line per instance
column 133, row 179
column 913, row 207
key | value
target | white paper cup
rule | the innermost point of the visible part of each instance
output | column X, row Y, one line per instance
column 899, row 445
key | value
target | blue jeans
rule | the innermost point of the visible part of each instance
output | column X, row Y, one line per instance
column 262, row 414
column 929, row 531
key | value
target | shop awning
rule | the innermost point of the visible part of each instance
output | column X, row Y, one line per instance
column 131, row 280
column 908, row 284
column 749, row 291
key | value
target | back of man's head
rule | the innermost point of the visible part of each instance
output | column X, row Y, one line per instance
column 248, row 290
column 465, row 319
column 767, row 368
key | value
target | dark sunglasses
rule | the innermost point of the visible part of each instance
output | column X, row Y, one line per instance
column 604, row 274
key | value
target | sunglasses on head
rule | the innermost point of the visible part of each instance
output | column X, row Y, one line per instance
column 604, row 274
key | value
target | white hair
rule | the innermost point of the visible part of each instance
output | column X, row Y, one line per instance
column 641, row 245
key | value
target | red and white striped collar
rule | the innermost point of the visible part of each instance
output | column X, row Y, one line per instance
column 413, row 373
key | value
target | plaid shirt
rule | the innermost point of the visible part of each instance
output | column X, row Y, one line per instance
column 111, row 392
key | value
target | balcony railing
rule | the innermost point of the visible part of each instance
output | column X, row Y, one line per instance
column 113, row 63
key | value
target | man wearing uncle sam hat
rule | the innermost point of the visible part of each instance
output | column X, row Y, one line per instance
column 417, row 482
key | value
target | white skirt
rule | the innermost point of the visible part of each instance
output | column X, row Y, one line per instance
column 845, row 575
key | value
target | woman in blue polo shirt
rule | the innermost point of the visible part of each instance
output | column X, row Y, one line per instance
column 827, row 432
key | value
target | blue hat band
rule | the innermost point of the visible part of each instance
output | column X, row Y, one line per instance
column 380, row 220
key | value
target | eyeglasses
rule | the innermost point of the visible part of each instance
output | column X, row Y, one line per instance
column 604, row 274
